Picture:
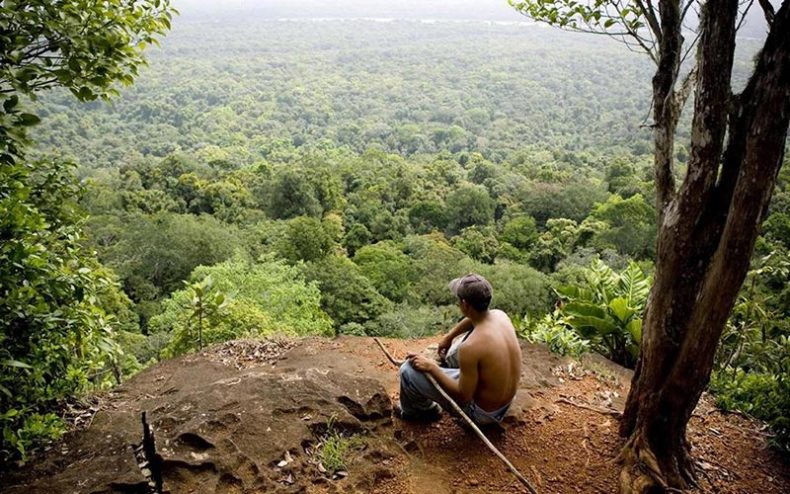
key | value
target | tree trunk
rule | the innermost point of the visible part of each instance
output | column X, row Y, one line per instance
column 707, row 231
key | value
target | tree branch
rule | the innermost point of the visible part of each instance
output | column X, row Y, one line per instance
column 690, row 47
column 37, row 50
column 664, row 114
column 711, row 106
column 768, row 11
column 743, row 15
column 650, row 15
column 607, row 15
column 635, row 35
column 686, row 9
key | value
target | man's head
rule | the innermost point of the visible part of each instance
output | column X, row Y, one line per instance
column 473, row 292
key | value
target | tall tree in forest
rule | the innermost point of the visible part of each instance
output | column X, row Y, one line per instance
column 52, row 329
column 708, row 224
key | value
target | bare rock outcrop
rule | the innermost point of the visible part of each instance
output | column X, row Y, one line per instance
column 217, row 429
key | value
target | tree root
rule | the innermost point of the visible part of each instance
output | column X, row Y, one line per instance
column 602, row 410
column 642, row 472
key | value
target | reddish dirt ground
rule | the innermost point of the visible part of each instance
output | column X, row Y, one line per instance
column 563, row 448
column 226, row 417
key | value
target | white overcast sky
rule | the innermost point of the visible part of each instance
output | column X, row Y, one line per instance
column 497, row 10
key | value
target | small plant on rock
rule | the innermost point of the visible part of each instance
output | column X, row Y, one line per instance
column 335, row 447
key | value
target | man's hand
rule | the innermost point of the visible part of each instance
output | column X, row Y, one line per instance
column 422, row 363
column 444, row 346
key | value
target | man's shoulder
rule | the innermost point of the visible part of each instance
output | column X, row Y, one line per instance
column 499, row 313
column 500, row 317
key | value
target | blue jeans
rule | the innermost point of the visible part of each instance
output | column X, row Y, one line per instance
column 417, row 394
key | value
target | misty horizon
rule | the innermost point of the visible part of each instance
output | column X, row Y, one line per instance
column 440, row 10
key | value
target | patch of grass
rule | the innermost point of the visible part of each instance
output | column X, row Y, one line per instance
column 335, row 448
column 334, row 452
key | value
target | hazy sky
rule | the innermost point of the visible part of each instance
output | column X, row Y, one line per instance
column 455, row 9
column 497, row 10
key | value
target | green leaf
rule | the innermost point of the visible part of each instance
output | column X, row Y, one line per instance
column 17, row 363
column 621, row 310
column 634, row 327
column 574, row 292
column 601, row 326
column 85, row 94
column 105, row 345
column 584, row 309
column 28, row 119
column 10, row 103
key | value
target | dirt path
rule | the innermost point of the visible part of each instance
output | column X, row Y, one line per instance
column 250, row 416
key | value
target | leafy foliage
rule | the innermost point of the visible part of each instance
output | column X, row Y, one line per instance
column 53, row 333
column 205, row 302
column 629, row 226
column 764, row 396
column 54, row 336
column 389, row 269
column 469, row 205
column 154, row 254
column 554, row 331
column 365, row 99
column 478, row 243
column 405, row 321
column 304, row 239
column 554, row 244
column 82, row 46
column 265, row 297
column 335, row 447
column 436, row 263
column 346, row 294
column 360, row 196
column 518, row 288
column 607, row 310
column 521, row 232
column 752, row 366
column 614, row 18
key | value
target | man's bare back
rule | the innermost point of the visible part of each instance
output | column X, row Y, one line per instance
column 494, row 347
column 482, row 372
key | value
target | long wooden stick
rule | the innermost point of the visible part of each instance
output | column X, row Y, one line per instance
column 469, row 422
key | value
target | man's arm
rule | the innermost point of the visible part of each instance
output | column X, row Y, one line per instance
column 462, row 390
column 447, row 340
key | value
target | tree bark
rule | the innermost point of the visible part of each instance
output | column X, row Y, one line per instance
column 665, row 112
column 707, row 231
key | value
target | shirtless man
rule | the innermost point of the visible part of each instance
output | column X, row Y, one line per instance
column 483, row 368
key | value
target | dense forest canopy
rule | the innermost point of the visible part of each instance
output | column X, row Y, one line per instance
column 251, row 82
column 300, row 168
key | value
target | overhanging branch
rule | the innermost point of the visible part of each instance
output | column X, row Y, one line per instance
column 768, row 11
column 650, row 15
column 665, row 115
